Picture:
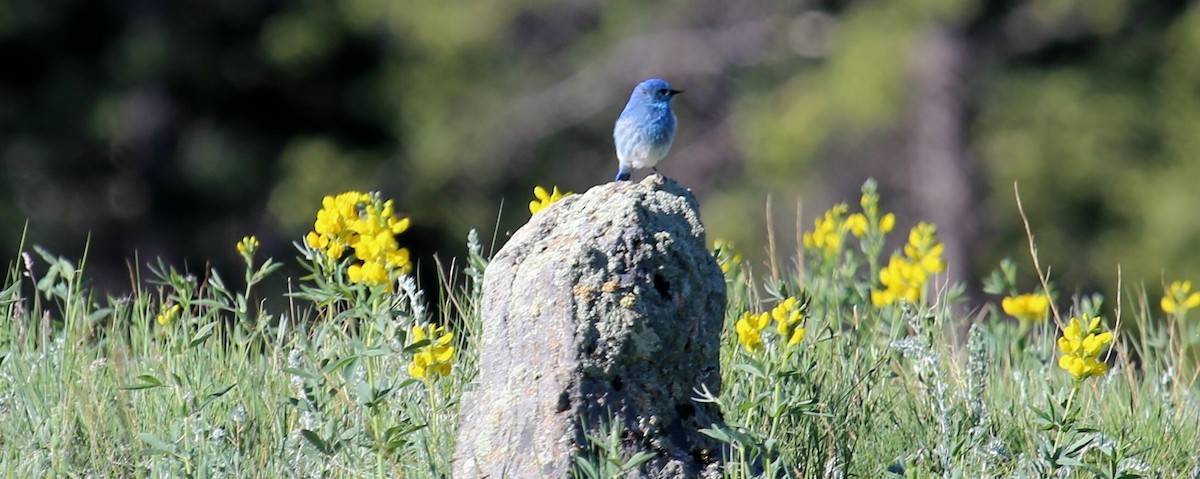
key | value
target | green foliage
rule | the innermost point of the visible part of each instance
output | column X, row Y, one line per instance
column 185, row 377
column 605, row 459
column 889, row 391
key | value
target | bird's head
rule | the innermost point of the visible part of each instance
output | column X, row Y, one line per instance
column 655, row 89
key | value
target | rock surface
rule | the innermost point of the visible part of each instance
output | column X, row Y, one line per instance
column 606, row 306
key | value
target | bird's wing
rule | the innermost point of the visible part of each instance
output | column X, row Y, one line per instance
column 627, row 136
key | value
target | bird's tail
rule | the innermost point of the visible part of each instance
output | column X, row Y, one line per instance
column 623, row 173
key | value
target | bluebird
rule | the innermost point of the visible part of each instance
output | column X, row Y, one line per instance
column 646, row 127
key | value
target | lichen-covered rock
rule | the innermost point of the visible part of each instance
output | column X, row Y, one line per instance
column 606, row 306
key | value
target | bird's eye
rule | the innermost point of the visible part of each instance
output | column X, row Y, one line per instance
column 662, row 91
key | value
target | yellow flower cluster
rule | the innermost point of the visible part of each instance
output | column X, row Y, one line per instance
column 1030, row 308
column 727, row 256
column 432, row 358
column 789, row 320
column 749, row 330
column 1180, row 298
column 904, row 277
column 247, row 246
column 169, row 315
column 1081, row 348
column 542, row 198
column 859, row 223
column 369, row 226
column 828, row 232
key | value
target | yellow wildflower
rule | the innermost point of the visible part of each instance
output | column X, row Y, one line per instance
column 869, row 200
column 247, row 246
column 828, row 231
column 870, row 206
column 169, row 315
column 1031, row 308
column 924, row 249
column 887, row 223
column 749, row 330
column 544, row 198
column 435, row 357
column 1081, row 347
column 789, row 317
column 905, row 276
column 370, row 272
column 367, row 225
column 1180, row 298
column 901, row 279
column 881, row 298
column 858, row 224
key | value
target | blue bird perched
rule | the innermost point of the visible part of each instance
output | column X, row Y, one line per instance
column 646, row 127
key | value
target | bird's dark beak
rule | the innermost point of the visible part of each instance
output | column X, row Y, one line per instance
column 674, row 92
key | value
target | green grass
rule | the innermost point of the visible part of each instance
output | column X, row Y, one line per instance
column 96, row 386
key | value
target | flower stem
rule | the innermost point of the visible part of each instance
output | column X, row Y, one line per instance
column 1066, row 414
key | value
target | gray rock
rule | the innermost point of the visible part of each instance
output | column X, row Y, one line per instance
column 606, row 306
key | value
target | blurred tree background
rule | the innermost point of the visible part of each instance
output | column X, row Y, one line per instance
column 174, row 128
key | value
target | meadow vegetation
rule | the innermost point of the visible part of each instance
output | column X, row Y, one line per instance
column 840, row 360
